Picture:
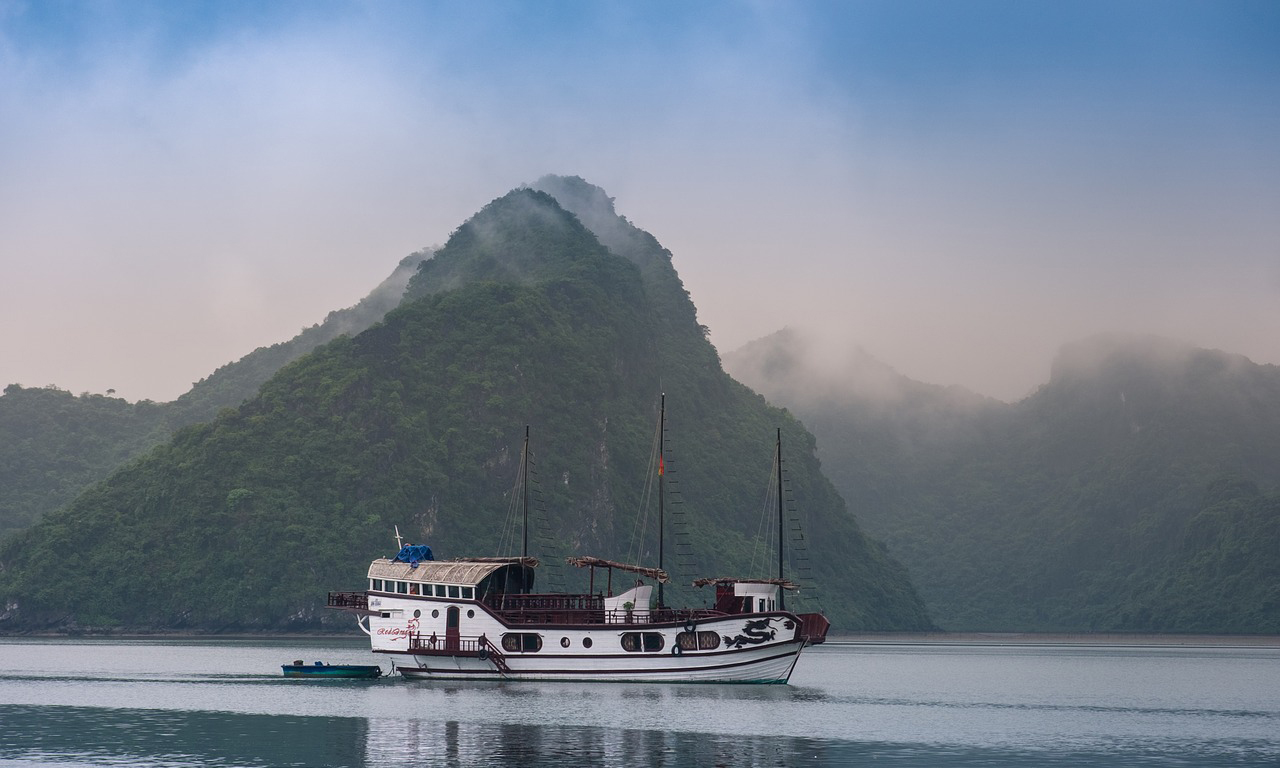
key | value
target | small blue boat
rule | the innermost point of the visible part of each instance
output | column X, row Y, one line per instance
column 322, row 670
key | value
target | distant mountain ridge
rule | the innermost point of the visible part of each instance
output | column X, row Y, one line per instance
column 523, row 318
column 1135, row 491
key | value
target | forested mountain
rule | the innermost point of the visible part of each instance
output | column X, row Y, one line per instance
column 523, row 318
column 1136, row 491
column 54, row 445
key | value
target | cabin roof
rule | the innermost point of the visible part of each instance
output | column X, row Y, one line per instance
column 444, row 571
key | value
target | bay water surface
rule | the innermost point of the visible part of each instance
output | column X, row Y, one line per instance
column 69, row 702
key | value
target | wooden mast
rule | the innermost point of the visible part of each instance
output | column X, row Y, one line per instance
column 524, row 489
column 781, row 545
column 662, row 428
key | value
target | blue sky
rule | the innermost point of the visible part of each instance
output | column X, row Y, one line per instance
column 958, row 187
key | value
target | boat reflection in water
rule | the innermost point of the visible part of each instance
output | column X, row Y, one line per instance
column 432, row 742
column 83, row 736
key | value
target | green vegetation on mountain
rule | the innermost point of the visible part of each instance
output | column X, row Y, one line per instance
column 54, row 445
column 1133, row 492
column 523, row 317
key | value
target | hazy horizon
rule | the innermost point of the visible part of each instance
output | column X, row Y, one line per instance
column 960, row 188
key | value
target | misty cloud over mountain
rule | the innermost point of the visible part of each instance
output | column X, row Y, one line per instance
column 1136, row 490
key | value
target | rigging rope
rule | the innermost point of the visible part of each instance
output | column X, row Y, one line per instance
column 635, row 550
column 764, row 540
column 507, row 537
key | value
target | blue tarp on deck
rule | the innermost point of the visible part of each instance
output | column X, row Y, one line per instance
column 413, row 553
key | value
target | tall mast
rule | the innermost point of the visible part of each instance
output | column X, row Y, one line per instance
column 781, row 591
column 662, row 429
column 524, row 489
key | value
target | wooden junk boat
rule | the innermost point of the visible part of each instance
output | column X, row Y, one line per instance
column 480, row 619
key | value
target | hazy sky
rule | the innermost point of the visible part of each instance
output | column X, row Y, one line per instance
column 959, row 187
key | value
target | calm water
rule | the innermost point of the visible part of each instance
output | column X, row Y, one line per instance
column 207, row 703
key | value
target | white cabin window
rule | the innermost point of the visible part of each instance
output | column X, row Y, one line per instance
column 402, row 587
column 375, row 585
column 468, row 593
column 439, row 590
column 453, row 591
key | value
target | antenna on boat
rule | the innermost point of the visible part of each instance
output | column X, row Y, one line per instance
column 662, row 428
column 399, row 540
column 781, row 545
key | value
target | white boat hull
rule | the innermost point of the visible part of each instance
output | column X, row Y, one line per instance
column 743, row 648
column 770, row 664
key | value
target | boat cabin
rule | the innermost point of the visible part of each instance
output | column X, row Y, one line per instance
column 735, row 596
column 455, row 580
column 747, row 598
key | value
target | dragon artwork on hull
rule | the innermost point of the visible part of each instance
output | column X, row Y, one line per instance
column 758, row 631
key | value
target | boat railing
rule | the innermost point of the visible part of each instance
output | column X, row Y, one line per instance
column 348, row 600
column 548, row 602
column 479, row 647
column 682, row 615
column 549, row 609
column 437, row 643
column 494, row 654
column 585, row 609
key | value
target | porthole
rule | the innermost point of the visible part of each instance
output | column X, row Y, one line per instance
column 471, row 614
column 586, row 642
column 435, row 614
column 564, row 642
column 417, row 614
